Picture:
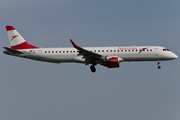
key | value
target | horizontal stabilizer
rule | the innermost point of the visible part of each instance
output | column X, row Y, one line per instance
column 13, row 51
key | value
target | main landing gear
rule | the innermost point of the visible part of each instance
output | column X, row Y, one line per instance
column 159, row 67
column 93, row 69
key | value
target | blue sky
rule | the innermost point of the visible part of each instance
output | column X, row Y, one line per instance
column 137, row 90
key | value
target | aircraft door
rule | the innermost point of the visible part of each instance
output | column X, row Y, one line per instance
column 156, row 51
column 40, row 53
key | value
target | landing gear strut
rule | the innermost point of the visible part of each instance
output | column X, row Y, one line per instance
column 93, row 69
column 159, row 67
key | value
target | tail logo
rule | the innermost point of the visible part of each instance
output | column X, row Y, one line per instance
column 143, row 49
column 13, row 37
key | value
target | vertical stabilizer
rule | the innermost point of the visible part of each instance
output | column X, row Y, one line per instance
column 16, row 40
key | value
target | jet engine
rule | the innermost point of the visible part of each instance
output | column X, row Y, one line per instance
column 113, row 61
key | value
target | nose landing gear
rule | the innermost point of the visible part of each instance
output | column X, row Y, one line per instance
column 158, row 62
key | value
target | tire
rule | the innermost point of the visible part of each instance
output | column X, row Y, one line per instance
column 93, row 69
column 159, row 67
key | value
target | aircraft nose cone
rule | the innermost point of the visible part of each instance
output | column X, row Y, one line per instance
column 174, row 56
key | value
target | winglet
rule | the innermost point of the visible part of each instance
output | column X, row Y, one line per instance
column 74, row 44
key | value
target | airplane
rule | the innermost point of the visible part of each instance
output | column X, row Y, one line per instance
column 109, row 57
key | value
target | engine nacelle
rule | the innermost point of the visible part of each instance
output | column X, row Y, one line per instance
column 113, row 61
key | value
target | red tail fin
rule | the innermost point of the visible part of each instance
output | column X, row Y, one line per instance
column 16, row 40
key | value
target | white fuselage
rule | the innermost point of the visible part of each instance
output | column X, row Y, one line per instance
column 127, row 53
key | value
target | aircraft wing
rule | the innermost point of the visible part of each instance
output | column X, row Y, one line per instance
column 88, row 55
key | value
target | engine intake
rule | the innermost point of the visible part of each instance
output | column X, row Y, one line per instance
column 113, row 61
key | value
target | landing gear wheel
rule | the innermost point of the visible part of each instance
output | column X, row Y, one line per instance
column 158, row 62
column 93, row 69
column 159, row 67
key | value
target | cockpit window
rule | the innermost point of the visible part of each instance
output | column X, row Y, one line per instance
column 165, row 50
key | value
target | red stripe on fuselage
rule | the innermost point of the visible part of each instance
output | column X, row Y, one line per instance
column 23, row 45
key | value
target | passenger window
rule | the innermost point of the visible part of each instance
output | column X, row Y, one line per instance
column 129, row 50
column 63, row 51
column 102, row 50
column 98, row 50
column 49, row 51
column 121, row 50
column 110, row 50
column 94, row 50
column 114, row 50
column 107, row 50
column 45, row 51
column 52, row 51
